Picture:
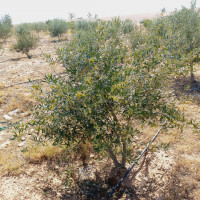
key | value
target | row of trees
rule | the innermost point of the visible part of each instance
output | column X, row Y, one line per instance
column 180, row 34
column 27, row 34
column 117, row 73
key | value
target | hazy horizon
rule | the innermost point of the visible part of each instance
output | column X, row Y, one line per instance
column 32, row 11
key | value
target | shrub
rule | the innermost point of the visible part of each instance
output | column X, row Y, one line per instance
column 26, row 40
column 82, row 24
column 39, row 27
column 147, row 23
column 185, row 37
column 5, row 27
column 128, row 26
column 108, row 87
column 180, row 33
column 23, row 29
column 137, row 38
column 85, row 24
column 57, row 27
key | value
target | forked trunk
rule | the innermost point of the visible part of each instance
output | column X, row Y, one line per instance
column 113, row 157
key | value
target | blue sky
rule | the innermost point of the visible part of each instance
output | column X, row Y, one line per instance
column 42, row 10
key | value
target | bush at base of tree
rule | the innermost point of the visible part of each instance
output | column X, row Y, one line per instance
column 26, row 40
column 57, row 27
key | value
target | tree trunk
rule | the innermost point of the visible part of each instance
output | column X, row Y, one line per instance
column 29, row 56
column 112, row 155
column 124, row 154
column 192, row 78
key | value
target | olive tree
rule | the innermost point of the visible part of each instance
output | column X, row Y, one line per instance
column 128, row 26
column 5, row 27
column 185, row 29
column 108, row 87
column 26, row 40
column 180, row 32
column 57, row 27
column 39, row 27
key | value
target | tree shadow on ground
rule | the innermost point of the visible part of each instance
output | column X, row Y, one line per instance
column 90, row 190
column 59, row 40
column 184, row 88
column 20, row 58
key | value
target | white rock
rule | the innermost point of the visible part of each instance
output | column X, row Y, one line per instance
column 14, row 112
column 7, row 117
column 92, row 155
column 4, row 133
column 23, row 138
column 25, row 114
column 5, row 144
column 57, row 182
column 21, row 144
column 31, row 131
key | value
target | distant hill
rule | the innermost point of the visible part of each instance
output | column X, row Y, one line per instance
column 138, row 17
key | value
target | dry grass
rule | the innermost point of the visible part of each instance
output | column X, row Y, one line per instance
column 38, row 153
column 196, row 195
column 13, row 98
column 11, row 162
column 184, row 182
column 185, row 177
column 2, row 85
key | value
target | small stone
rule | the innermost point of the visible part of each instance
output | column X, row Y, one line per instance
column 5, row 144
column 92, row 155
column 57, row 182
column 4, row 133
column 23, row 138
column 25, row 114
column 31, row 131
column 56, row 167
column 21, row 144
column 59, row 194
column 7, row 117
column 14, row 112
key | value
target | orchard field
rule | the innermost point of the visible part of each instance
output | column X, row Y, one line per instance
column 80, row 100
